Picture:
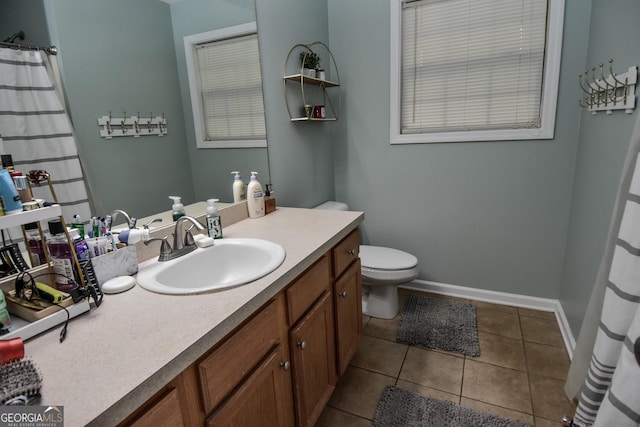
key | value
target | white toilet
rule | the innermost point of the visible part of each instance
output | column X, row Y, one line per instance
column 383, row 269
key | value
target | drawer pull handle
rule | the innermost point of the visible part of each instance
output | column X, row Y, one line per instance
column 302, row 344
column 285, row 365
column 343, row 294
column 353, row 252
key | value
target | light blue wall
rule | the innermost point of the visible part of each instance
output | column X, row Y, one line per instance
column 604, row 141
column 211, row 168
column 489, row 215
column 301, row 154
column 26, row 15
column 110, row 64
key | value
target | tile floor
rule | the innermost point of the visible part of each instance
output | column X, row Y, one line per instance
column 520, row 373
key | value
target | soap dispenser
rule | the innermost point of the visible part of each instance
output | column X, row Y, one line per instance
column 177, row 210
column 239, row 192
column 255, row 197
column 214, row 225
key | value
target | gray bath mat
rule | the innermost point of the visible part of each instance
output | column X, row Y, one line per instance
column 439, row 324
column 399, row 408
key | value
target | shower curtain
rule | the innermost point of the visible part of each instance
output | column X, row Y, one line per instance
column 35, row 128
column 610, row 375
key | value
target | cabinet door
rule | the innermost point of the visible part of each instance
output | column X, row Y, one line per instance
column 348, row 305
column 176, row 405
column 264, row 399
column 165, row 412
column 312, row 344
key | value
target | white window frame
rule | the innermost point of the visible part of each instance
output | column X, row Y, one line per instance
column 190, row 42
column 549, row 94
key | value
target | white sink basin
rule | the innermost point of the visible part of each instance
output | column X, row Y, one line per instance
column 228, row 263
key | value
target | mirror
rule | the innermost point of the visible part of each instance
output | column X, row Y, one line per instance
column 127, row 58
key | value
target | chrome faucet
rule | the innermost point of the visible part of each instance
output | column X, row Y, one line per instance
column 131, row 222
column 181, row 245
column 178, row 242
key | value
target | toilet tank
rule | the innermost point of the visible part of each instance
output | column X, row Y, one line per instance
column 333, row 206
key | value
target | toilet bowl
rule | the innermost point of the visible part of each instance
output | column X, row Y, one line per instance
column 383, row 270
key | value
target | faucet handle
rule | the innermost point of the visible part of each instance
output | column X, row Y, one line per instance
column 151, row 222
column 165, row 247
column 188, row 239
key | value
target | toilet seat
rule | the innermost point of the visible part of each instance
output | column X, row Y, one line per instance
column 381, row 258
column 381, row 265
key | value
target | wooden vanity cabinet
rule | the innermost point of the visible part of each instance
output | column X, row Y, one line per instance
column 281, row 365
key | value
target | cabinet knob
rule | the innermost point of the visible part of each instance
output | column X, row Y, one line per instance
column 353, row 252
column 343, row 294
column 302, row 344
column 285, row 365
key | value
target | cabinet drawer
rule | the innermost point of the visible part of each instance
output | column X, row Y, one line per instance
column 345, row 252
column 223, row 369
column 307, row 288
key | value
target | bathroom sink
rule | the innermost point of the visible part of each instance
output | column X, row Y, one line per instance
column 229, row 262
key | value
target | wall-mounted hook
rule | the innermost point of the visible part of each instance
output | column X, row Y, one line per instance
column 608, row 93
column 154, row 125
column 136, row 128
column 108, row 125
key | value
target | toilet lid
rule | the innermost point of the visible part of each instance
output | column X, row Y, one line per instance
column 381, row 258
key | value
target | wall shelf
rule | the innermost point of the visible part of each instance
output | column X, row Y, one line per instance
column 300, row 78
column 302, row 92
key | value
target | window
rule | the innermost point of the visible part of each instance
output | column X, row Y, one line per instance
column 474, row 70
column 226, row 87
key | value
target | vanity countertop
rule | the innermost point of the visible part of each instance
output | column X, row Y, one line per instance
column 117, row 356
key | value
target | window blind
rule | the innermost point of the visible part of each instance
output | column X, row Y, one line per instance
column 472, row 64
column 231, row 89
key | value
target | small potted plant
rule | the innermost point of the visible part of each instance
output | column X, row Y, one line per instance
column 310, row 61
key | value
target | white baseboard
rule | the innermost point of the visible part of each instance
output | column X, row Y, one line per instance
column 503, row 298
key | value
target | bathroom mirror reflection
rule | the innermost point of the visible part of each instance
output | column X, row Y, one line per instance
column 127, row 58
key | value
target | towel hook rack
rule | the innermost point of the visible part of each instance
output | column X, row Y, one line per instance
column 608, row 93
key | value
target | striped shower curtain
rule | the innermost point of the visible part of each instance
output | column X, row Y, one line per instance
column 36, row 131
column 610, row 396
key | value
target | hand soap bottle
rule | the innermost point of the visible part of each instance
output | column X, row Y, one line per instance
column 177, row 210
column 255, row 197
column 239, row 193
column 214, row 225
column 269, row 200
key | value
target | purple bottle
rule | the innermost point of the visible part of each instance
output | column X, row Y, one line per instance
column 61, row 256
column 34, row 244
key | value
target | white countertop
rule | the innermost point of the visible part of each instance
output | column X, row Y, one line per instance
column 118, row 355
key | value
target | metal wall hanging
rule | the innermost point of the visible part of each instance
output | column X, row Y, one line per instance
column 608, row 93
column 134, row 126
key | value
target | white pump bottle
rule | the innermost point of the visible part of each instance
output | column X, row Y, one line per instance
column 255, row 197
column 214, row 225
column 177, row 209
column 239, row 193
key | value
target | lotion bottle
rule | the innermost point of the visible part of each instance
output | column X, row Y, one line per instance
column 239, row 193
column 255, row 197
column 214, row 225
column 177, row 210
